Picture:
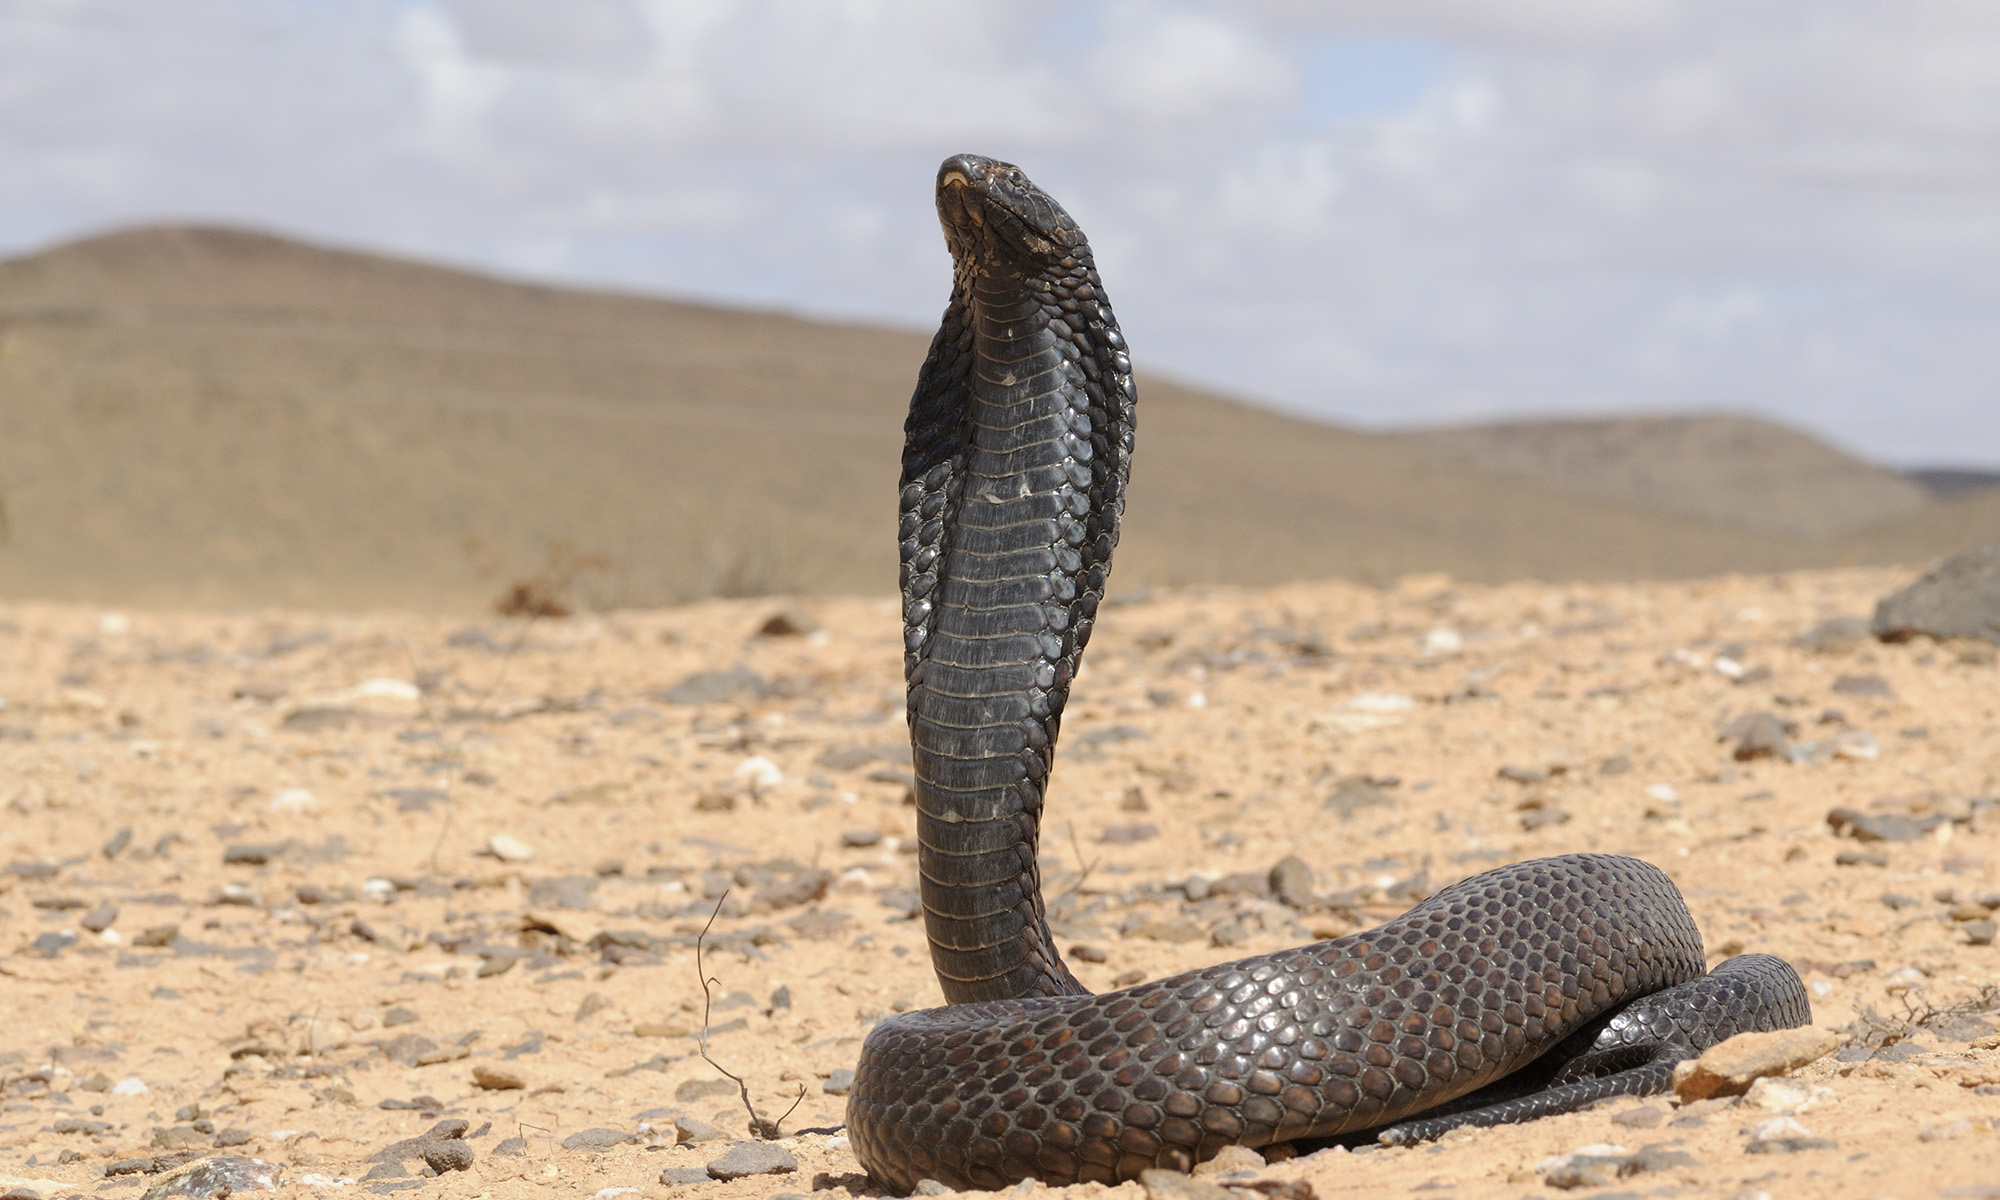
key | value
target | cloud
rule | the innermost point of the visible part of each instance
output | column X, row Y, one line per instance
column 1376, row 212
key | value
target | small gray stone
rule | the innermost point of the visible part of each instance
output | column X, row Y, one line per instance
column 130, row 1166
column 1292, row 882
column 596, row 1140
column 233, row 1137
column 53, row 943
column 385, row 1170
column 1353, row 795
column 450, row 1154
column 214, row 1178
column 931, row 1187
column 688, row 1129
column 99, row 919
column 1644, row 1117
column 513, row 1147
column 676, row 1176
column 745, row 1159
column 1836, row 634
column 1864, row 685
column 1980, row 932
column 1790, row 1145
column 839, row 1083
column 710, row 687
column 1762, row 735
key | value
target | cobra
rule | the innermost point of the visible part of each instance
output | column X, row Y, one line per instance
column 1530, row 989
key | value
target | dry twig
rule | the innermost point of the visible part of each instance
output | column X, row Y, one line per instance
column 759, row 1127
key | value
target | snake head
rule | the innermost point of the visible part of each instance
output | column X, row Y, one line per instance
column 992, row 211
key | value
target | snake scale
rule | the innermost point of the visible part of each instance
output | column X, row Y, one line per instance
column 1529, row 989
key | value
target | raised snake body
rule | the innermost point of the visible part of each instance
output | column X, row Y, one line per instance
column 1529, row 989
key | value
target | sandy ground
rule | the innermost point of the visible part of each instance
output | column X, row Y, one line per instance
column 298, row 883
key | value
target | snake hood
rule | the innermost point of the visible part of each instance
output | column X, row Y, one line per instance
column 992, row 211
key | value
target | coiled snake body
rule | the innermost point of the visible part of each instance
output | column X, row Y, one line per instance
column 1529, row 989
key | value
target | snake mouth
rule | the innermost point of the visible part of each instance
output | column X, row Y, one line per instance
column 991, row 206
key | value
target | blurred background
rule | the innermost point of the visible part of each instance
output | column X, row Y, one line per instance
column 443, row 304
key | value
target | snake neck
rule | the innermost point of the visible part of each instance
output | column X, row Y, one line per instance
column 1014, row 477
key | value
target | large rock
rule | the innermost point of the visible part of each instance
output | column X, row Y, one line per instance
column 1730, row 1067
column 1959, row 597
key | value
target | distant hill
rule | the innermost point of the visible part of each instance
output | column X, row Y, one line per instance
column 1949, row 483
column 209, row 416
column 1727, row 469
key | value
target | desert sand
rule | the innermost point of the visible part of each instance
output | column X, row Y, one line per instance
column 305, row 886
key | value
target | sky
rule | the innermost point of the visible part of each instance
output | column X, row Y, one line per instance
column 1382, row 214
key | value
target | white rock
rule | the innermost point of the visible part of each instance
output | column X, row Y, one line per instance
column 1775, row 1093
column 387, row 689
column 1379, row 702
column 293, row 800
column 508, row 848
column 1662, row 791
column 114, row 624
column 1441, row 642
column 759, row 772
column 379, row 890
column 854, row 881
column 133, row 1086
column 1778, row 1127
column 1856, row 745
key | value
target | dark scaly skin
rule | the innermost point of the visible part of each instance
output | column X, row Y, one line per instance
column 1585, row 969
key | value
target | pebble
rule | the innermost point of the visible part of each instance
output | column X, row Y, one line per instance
column 52, row 943
column 449, row 1154
column 689, row 1129
column 789, row 622
column 217, row 1177
column 745, row 1159
column 1353, row 795
column 1783, row 1135
column 1127, row 835
column 1837, row 634
column 1761, row 735
column 508, row 848
column 513, row 1147
column 860, row 838
column 931, row 1187
column 101, row 918
column 839, row 1083
column 1292, row 882
column 1775, row 1093
column 1728, row 1069
column 711, row 687
column 1980, row 932
column 597, row 1140
column 1644, row 1117
column 1875, row 827
column 1959, row 597
column 676, row 1176
column 1864, row 685
column 497, row 1079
